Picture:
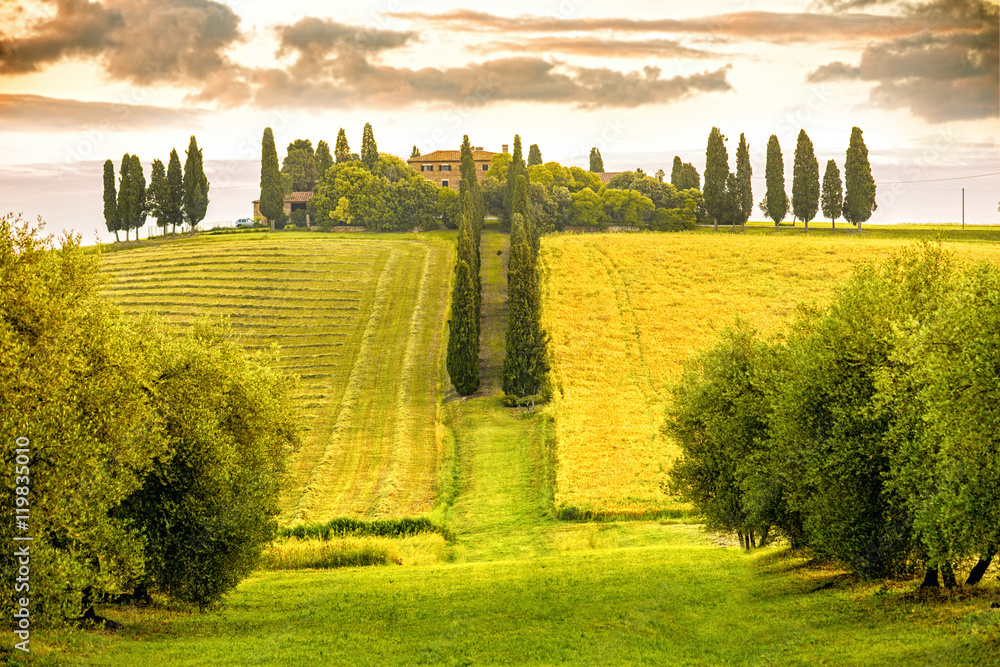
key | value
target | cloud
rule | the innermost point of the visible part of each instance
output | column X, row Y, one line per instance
column 777, row 27
column 34, row 113
column 144, row 42
column 598, row 47
column 939, row 76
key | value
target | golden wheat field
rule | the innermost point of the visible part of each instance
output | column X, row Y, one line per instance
column 360, row 321
column 625, row 311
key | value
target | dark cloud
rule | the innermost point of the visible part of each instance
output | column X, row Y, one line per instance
column 595, row 46
column 34, row 113
column 320, row 37
column 939, row 76
column 78, row 28
column 776, row 27
column 140, row 41
column 353, row 80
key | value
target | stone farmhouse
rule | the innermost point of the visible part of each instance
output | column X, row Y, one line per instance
column 293, row 202
column 443, row 168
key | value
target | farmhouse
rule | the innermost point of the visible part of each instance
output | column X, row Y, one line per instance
column 293, row 202
column 443, row 168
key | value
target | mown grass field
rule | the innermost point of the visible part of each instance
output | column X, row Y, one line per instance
column 360, row 321
column 625, row 311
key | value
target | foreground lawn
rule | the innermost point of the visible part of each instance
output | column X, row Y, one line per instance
column 683, row 601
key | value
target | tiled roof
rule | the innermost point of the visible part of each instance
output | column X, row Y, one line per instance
column 295, row 197
column 451, row 156
column 606, row 176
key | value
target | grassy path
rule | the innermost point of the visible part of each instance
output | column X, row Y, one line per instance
column 503, row 474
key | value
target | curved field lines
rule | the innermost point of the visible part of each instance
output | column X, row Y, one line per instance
column 625, row 311
column 360, row 321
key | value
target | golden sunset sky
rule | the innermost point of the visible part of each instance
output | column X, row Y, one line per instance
column 81, row 82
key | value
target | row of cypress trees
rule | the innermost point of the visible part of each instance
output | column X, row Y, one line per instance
column 173, row 197
column 525, row 363
column 466, row 298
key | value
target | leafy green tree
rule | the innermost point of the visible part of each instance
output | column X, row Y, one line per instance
column 196, row 186
column 859, row 191
column 676, row 170
column 580, row 179
column 832, row 198
column 448, row 207
column 588, row 209
column 774, row 175
column 716, row 173
column 534, row 155
column 626, row 207
column 324, row 160
column 208, row 506
column 805, row 180
column 493, row 193
column 499, row 164
column 300, row 165
column 111, row 220
column 369, row 149
column 173, row 192
column 744, row 187
column 272, row 197
column 563, row 201
column 415, row 152
column 596, row 161
column 156, row 194
column 342, row 151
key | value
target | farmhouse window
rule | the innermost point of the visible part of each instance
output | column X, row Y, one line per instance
column 444, row 167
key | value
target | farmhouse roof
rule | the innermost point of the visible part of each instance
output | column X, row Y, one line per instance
column 606, row 176
column 451, row 156
column 295, row 197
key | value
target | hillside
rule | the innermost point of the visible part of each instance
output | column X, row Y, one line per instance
column 360, row 321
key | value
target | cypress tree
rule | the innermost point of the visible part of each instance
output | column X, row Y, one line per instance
column 324, row 160
column 744, row 188
column 716, row 173
column 774, row 175
column 369, row 150
column 833, row 193
column 524, row 365
column 415, row 152
column 596, row 161
column 195, row 198
column 676, row 171
column 463, row 348
column 125, row 194
column 515, row 169
column 138, row 206
column 156, row 193
column 110, row 199
column 173, row 191
column 859, row 194
column 341, row 150
column 272, row 194
column 805, row 180
column 534, row 155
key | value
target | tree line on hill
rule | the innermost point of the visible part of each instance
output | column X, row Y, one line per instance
column 152, row 460
column 173, row 197
column 868, row 435
column 728, row 196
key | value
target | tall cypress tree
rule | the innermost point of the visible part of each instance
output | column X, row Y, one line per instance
column 324, row 160
column 138, row 206
column 174, row 191
column 463, row 334
column 859, row 193
column 524, row 365
column 195, row 199
column 272, row 194
column 774, row 175
column 342, row 151
column 125, row 194
column 110, row 199
column 369, row 150
column 156, row 193
column 716, row 173
column 596, row 161
column 676, row 171
column 805, row 180
column 534, row 155
column 833, row 193
column 516, row 168
column 744, row 187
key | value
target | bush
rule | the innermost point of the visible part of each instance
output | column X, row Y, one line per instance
column 344, row 526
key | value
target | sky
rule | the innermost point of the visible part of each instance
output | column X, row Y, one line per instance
column 82, row 82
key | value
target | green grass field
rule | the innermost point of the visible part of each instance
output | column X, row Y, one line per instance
column 516, row 586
